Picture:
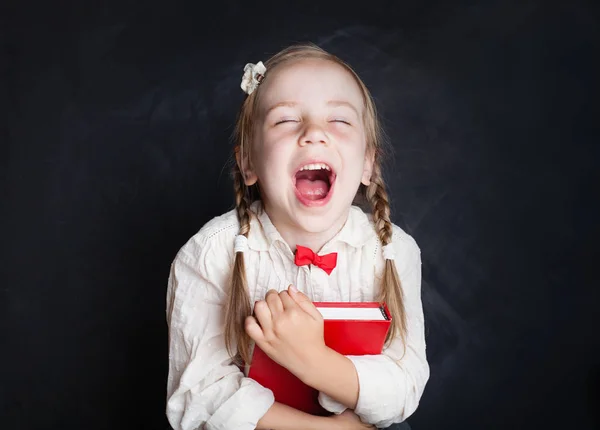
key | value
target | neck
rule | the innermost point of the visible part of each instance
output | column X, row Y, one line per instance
column 295, row 235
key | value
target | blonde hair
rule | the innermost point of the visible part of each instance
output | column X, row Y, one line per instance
column 238, row 304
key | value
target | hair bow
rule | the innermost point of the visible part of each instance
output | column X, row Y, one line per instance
column 253, row 75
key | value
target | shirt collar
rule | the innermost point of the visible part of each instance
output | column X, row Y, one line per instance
column 263, row 234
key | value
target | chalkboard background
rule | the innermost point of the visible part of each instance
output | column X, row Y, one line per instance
column 115, row 150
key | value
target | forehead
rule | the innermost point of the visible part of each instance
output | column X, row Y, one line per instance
column 309, row 82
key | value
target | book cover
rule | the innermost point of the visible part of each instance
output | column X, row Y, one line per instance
column 349, row 328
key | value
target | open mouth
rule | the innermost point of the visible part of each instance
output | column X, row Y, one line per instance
column 314, row 183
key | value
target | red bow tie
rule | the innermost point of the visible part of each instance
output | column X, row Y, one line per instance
column 306, row 256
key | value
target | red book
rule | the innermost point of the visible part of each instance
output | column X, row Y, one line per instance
column 349, row 328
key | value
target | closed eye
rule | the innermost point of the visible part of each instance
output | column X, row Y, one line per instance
column 285, row 120
column 343, row 121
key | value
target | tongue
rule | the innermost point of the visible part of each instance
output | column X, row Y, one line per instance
column 312, row 185
column 312, row 190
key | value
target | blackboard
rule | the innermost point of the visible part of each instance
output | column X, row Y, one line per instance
column 116, row 149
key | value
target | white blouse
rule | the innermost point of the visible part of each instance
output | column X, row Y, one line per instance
column 206, row 390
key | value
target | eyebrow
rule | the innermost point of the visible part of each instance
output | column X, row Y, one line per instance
column 342, row 103
column 334, row 103
column 280, row 104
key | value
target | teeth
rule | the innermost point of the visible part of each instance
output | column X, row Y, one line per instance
column 317, row 166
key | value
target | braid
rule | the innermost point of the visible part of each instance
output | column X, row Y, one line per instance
column 391, row 289
column 378, row 198
column 238, row 301
column 242, row 201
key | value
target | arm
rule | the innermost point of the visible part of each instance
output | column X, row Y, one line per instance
column 334, row 375
column 390, row 384
column 204, row 388
column 283, row 417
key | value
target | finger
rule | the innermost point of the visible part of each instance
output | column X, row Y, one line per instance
column 253, row 330
column 304, row 302
column 287, row 301
column 274, row 301
column 262, row 314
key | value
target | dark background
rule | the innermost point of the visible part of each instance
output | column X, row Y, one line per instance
column 115, row 150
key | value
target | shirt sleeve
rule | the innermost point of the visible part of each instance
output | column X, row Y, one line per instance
column 204, row 388
column 380, row 402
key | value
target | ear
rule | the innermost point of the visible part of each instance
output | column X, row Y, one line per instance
column 368, row 167
column 245, row 167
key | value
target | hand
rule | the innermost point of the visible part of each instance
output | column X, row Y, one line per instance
column 348, row 420
column 288, row 328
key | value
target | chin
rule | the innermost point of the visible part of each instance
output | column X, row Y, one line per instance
column 314, row 225
column 321, row 219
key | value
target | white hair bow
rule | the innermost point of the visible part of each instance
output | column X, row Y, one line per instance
column 253, row 75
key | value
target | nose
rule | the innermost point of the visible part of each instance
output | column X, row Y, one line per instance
column 313, row 134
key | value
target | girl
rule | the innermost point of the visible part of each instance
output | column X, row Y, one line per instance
column 308, row 146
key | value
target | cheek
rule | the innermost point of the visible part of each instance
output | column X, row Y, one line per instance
column 354, row 162
column 353, row 145
column 349, row 136
column 272, row 161
column 343, row 132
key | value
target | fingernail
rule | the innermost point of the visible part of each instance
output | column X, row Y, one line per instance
column 293, row 289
